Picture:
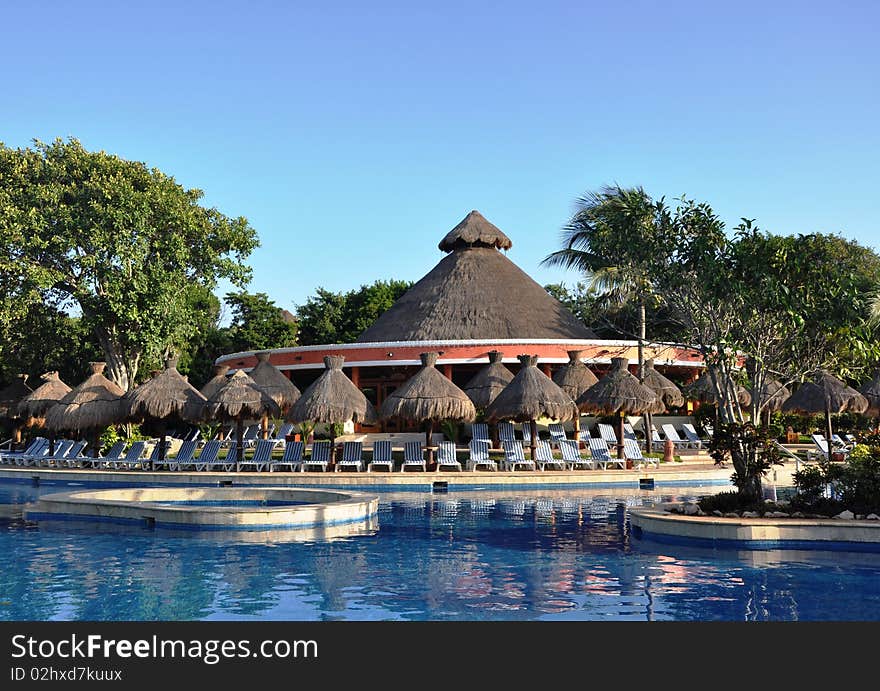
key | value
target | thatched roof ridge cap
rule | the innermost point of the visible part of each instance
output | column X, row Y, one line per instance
column 474, row 230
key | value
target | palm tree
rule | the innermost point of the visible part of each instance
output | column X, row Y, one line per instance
column 614, row 236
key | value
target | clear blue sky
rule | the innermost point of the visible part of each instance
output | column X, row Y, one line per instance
column 354, row 135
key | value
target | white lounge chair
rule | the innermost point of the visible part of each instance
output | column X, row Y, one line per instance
column 572, row 456
column 607, row 434
column 672, row 434
column 382, row 456
column 633, row 452
column 544, row 456
column 630, row 433
column 478, row 456
column 506, row 432
column 448, row 458
column 514, row 457
column 691, row 434
column 526, row 434
column 320, row 456
column 602, row 454
column 480, row 432
column 821, row 448
column 557, row 432
column 292, row 457
column 352, row 456
column 262, row 455
column 414, row 455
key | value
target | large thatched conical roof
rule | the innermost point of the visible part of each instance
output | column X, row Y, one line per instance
column 475, row 292
column 619, row 392
column 166, row 395
column 11, row 396
column 332, row 398
column 773, row 394
column 240, row 397
column 530, row 396
column 475, row 231
column 871, row 391
column 665, row 389
column 216, row 382
column 272, row 381
column 428, row 395
column 94, row 404
column 490, row 381
column 574, row 377
column 826, row 393
column 38, row 402
column 701, row 389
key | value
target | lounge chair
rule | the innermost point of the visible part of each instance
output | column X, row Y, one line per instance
column 448, row 458
column 527, row 434
column 478, row 455
column 655, row 436
column 557, row 432
column 851, row 439
column 281, row 435
column 514, row 457
column 352, row 456
column 633, row 452
column 691, row 434
column 320, row 456
column 113, row 454
column 480, row 431
column 208, row 457
column 606, row 433
column 572, row 456
column 133, row 458
column 672, row 434
column 602, row 454
column 292, row 457
column 62, row 446
column 250, row 436
column 382, row 457
column 184, row 457
column 506, row 432
column 629, row 432
column 262, row 455
column 73, row 457
column 154, row 454
column 544, row 456
column 821, row 448
column 840, row 444
column 38, row 447
column 414, row 456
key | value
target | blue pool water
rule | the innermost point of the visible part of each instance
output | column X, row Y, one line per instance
column 539, row 555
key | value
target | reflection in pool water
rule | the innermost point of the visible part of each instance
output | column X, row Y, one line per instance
column 475, row 555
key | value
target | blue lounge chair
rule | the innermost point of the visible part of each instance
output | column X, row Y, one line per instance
column 557, row 432
column 208, row 457
column 633, row 452
column 133, row 458
column 447, row 457
column 480, row 431
column 382, row 456
column 320, row 456
column 262, row 455
column 691, row 435
column 352, row 456
column 292, row 458
column 602, row 455
column 671, row 433
column 414, row 457
column 184, row 457
column 506, row 432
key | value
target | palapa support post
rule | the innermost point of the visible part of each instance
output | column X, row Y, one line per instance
column 429, row 433
column 264, row 427
column 620, row 420
column 828, row 429
column 239, row 442
column 533, row 428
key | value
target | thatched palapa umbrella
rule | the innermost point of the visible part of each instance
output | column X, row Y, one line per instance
column 531, row 395
column 90, row 407
column 701, row 389
column 37, row 403
column 826, row 393
column 771, row 396
column 574, row 377
column 428, row 397
column 166, row 396
column 331, row 399
column 619, row 393
column 871, row 391
column 490, row 381
column 10, row 397
column 216, row 381
column 667, row 392
column 273, row 382
column 240, row 398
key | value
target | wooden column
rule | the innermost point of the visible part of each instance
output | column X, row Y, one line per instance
column 447, row 372
column 356, row 376
column 545, row 368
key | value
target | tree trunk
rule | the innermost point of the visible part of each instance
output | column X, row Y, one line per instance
column 828, row 429
column 646, row 418
column 121, row 368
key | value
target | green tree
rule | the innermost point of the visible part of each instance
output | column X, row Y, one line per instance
column 786, row 304
column 118, row 240
column 258, row 323
column 330, row 317
column 612, row 238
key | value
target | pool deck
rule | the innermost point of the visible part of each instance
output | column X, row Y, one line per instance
column 693, row 472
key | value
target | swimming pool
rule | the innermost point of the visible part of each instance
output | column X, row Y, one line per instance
column 552, row 555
